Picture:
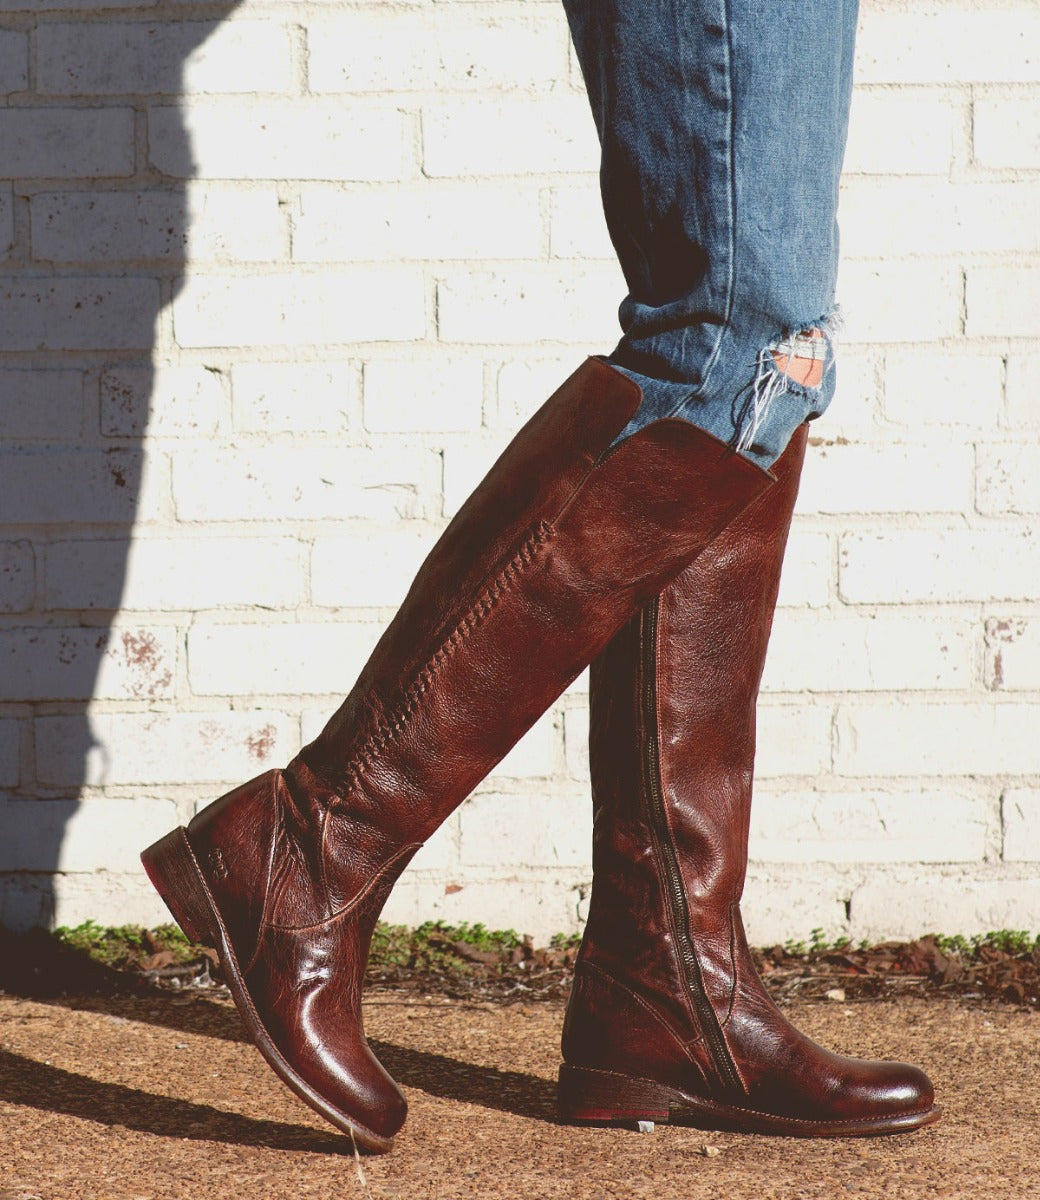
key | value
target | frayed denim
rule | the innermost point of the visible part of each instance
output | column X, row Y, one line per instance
column 722, row 125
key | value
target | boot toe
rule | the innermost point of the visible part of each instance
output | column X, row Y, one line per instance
column 888, row 1089
column 303, row 992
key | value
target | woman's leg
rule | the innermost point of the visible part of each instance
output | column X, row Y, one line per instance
column 723, row 127
column 555, row 550
column 668, row 1019
column 723, row 124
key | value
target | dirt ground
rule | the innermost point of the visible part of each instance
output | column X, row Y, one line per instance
column 159, row 1098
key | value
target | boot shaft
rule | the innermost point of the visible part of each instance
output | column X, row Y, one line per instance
column 565, row 538
column 672, row 742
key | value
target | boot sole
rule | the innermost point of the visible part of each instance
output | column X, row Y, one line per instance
column 591, row 1097
column 171, row 866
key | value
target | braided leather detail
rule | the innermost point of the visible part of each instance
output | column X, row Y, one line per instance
column 395, row 721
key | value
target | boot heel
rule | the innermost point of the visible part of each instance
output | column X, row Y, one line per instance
column 172, row 870
column 603, row 1098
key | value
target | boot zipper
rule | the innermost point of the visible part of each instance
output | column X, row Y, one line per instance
column 709, row 1024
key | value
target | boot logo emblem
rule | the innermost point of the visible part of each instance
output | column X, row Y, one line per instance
column 218, row 864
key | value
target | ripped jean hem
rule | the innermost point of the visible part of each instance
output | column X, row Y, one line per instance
column 761, row 418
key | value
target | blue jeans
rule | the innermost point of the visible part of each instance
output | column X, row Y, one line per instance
column 722, row 125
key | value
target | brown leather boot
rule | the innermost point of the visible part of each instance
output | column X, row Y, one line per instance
column 668, row 1020
column 558, row 547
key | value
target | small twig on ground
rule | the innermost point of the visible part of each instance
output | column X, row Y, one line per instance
column 362, row 1178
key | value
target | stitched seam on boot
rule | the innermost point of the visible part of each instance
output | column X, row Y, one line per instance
column 322, row 858
column 398, row 717
column 275, row 884
column 273, row 857
column 723, row 1025
column 684, row 1045
column 373, row 883
column 281, row 878
column 724, row 1021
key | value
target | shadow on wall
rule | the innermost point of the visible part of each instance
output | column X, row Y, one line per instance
column 93, row 242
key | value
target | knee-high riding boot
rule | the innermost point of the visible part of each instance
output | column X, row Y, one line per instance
column 668, row 1019
column 564, row 540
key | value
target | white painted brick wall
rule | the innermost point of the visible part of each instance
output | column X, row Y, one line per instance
column 218, row 223
column 78, row 314
column 273, row 139
column 56, row 486
column 390, row 554
column 1006, row 131
column 1022, row 410
column 67, row 143
column 815, row 652
column 9, row 753
column 41, row 405
column 1008, row 480
column 577, row 227
column 162, row 58
column 82, row 828
column 516, row 135
column 14, row 60
column 869, row 827
column 304, row 483
column 366, row 304
column 903, row 738
column 266, row 659
column 929, row 131
column 525, row 304
column 924, row 43
column 449, row 48
column 294, row 397
column 931, row 217
column 940, row 564
column 6, row 220
column 1001, row 301
column 163, row 401
column 1013, row 654
column 1020, row 810
column 888, row 477
column 46, row 663
column 925, row 388
column 169, row 748
column 432, row 395
column 274, row 291
column 925, row 307
column 177, row 573
column 434, row 221
column 810, row 568
column 17, row 576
